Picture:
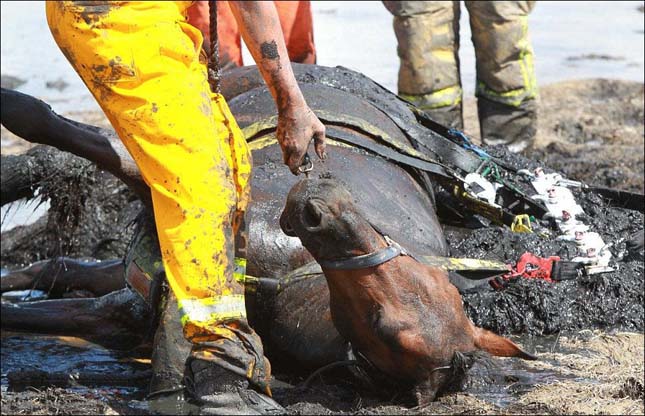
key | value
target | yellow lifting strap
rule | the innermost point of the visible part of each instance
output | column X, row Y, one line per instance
column 252, row 131
column 449, row 264
column 453, row 264
column 521, row 224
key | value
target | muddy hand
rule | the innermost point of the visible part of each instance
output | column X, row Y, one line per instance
column 296, row 128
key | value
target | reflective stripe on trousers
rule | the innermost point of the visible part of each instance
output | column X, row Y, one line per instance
column 212, row 309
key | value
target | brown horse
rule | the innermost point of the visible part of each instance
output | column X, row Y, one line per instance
column 405, row 318
column 418, row 324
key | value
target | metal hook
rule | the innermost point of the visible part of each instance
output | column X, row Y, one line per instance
column 306, row 166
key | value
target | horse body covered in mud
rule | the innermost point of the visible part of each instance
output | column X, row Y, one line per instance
column 288, row 299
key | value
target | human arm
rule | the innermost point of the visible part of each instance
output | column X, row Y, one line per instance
column 297, row 124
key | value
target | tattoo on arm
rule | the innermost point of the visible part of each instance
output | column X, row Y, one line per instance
column 269, row 50
column 270, row 55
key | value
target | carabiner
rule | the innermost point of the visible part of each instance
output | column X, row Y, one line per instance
column 306, row 166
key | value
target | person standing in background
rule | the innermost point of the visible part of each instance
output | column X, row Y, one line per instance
column 295, row 20
column 427, row 33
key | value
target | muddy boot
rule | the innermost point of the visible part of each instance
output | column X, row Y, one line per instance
column 230, row 374
column 219, row 391
column 169, row 353
column 449, row 116
column 514, row 127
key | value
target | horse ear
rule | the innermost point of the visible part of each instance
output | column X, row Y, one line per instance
column 499, row 346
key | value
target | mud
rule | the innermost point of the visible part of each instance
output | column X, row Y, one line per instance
column 50, row 353
column 50, row 401
column 591, row 131
column 595, row 120
column 572, row 377
column 613, row 299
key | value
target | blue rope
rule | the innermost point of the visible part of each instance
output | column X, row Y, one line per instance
column 467, row 144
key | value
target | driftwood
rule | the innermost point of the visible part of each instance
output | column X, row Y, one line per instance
column 67, row 231
column 89, row 216
column 21, row 174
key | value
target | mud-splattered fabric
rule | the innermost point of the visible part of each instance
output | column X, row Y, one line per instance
column 141, row 61
column 428, row 46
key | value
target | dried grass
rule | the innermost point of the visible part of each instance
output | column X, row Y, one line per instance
column 608, row 370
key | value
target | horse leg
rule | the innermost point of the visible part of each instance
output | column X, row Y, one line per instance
column 35, row 121
column 119, row 320
column 63, row 275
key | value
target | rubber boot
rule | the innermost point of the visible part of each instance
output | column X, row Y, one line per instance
column 219, row 391
column 170, row 351
column 514, row 127
column 169, row 354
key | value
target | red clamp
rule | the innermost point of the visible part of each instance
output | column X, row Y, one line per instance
column 529, row 266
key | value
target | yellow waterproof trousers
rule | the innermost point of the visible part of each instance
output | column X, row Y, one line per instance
column 141, row 61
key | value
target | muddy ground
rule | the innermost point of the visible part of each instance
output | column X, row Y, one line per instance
column 591, row 130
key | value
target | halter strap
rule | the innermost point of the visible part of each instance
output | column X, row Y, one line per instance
column 363, row 261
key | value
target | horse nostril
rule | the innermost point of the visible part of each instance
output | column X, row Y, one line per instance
column 311, row 217
column 288, row 230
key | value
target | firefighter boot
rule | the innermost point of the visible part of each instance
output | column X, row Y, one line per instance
column 170, row 351
column 219, row 391
column 515, row 127
column 448, row 116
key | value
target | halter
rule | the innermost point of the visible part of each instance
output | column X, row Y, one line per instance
column 364, row 261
